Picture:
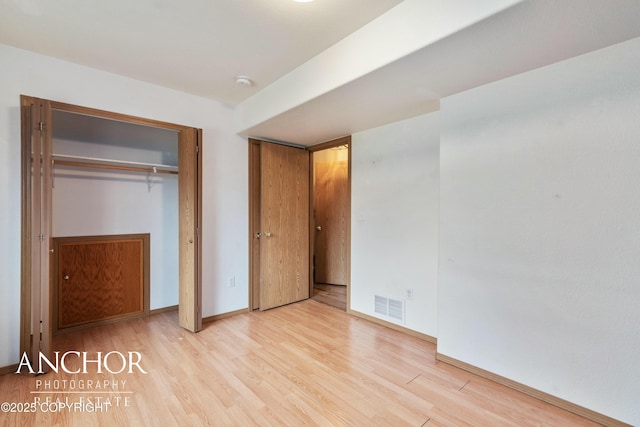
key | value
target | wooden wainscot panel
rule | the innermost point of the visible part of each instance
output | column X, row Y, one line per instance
column 99, row 279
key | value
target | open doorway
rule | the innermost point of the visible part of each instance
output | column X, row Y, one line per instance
column 276, row 190
column 331, row 222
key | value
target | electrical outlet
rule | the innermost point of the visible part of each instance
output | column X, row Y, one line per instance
column 409, row 294
column 232, row 282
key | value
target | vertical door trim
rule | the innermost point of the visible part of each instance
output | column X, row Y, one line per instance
column 198, row 256
column 254, row 224
column 46, row 328
column 26, row 118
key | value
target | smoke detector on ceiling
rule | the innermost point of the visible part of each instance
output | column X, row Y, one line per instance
column 243, row 81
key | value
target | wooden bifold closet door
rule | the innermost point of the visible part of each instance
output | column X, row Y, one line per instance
column 37, row 301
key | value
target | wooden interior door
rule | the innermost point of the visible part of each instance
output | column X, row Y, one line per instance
column 284, row 225
column 99, row 279
column 331, row 199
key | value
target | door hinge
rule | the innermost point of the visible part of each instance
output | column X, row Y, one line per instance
column 40, row 126
column 41, row 237
column 197, row 149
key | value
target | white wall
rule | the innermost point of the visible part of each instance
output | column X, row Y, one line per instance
column 89, row 203
column 394, row 235
column 224, row 175
column 540, row 229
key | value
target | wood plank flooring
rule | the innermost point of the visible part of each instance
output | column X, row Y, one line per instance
column 302, row 364
column 333, row 295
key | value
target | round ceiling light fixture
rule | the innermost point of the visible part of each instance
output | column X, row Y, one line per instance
column 243, row 81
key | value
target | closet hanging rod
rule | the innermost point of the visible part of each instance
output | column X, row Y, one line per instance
column 93, row 162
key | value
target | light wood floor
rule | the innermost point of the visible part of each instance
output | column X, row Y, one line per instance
column 333, row 295
column 302, row 364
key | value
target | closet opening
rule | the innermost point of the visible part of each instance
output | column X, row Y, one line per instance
column 114, row 220
column 111, row 220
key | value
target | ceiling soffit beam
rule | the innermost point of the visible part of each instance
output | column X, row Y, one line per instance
column 405, row 29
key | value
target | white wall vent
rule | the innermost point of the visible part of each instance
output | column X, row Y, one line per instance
column 390, row 308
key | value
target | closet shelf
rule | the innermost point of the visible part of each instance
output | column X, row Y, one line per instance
column 94, row 162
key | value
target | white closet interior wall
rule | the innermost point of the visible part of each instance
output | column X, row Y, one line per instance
column 89, row 201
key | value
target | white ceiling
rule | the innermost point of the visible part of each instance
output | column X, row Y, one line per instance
column 523, row 37
column 195, row 46
column 199, row 46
